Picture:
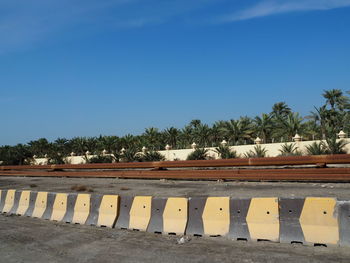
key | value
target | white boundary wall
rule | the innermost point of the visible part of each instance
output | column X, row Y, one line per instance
column 171, row 155
column 273, row 150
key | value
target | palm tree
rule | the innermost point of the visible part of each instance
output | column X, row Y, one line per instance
column 292, row 125
column 39, row 147
column 58, row 152
column 151, row 156
column 316, row 148
column 15, row 155
column 246, row 125
column 225, row 152
column 236, row 131
column 320, row 117
column 129, row 155
column 280, row 110
column 195, row 123
column 289, row 149
column 63, row 146
column 128, row 141
column 335, row 99
column 79, row 145
column 312, row 130
column 91, row 144
column 171, row 136
column 232, row 131
column 152, row 136
column 109, row 143
column 331, row 120
column 263, row 126
column 99, row 158
column 186, row 137
column 202, row 135
column 198, row 154
column 215, row 135
column 259, row 151
column 335, row 146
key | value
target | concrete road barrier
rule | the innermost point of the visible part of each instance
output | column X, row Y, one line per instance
column 9, row 201
column 108, row 211
column 40, row 204
column 32, row 200
column 175, row 216
column 310, row 221
column 290, row 228
column 59, row 207
column 238, row 219
column 263, row 219
column 168, row 215
column 319, row 221
column 23, row 204
column 344, row 222
column 124, row 212
column 81, row 209
column 70, row 211
column 140, row 213
column 15, row 203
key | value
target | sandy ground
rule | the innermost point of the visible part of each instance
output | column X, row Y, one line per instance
column 167, row 188
column 25, row 239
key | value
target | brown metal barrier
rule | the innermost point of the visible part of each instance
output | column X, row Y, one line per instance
column 265, row 161
column 200, row 170
column 307, row 174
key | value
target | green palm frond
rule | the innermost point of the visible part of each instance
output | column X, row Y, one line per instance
column 225, row 152
column 289, row 149
column 198, row 154
column 316, row 148
column 258, row 152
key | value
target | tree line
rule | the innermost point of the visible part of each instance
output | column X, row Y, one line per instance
column 279, row 125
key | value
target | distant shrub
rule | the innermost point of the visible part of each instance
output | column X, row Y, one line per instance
column 258, row 152
column 225, row 152
column 335, row 146
column 316, row 148
column 129, row 155
column 101, row 159
column 151, row 156
column 289, row 149
column 198, row 154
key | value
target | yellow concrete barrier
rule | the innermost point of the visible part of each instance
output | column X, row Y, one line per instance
column 140, row 213
column 216, row 216
column 175, row 215
column 23, row 204
column 313, row 220
column 319, row 221
column 263, row 219
column 9, row 201
column 40, row 204
column 108, row 211
column 81, row 209
column 59, row 207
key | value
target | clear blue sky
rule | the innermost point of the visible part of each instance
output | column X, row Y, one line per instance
column 84, row 68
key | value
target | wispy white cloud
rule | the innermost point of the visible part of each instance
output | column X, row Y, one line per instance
column 24, row 24
column 273, row 7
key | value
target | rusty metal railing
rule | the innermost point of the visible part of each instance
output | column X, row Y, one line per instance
column 236, row 162
column 236, row 169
